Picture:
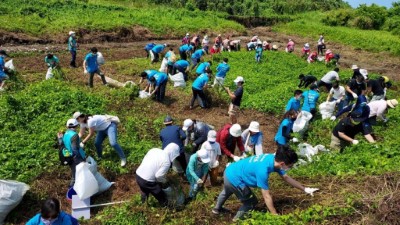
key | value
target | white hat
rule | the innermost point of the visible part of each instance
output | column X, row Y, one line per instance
column 187, row 34
column 354, row 67
column 203, row 155
column 212, row 136
column 254, row 127
column 364, row 72
column 238, row 79
column 392, row 103
column 275, row 47
column 76, row 115
column 235, row 130
column 72, row 123
column 71, row 33
column 186, row 124
column 307, row 46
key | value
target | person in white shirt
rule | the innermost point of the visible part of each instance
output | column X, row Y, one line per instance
column 378, row 109
column 329, row 78
column 252, row 138
column 104, row 126
column 151, row 174
column 214, row 151
column 337, row 94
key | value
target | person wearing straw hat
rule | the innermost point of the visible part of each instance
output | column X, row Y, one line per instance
column 356, row 71
column 229, row 138
column 252, row 138
column 214, row 151
column 72, row 47
column 3, row 69
column 196, row 171
column 236, row 99
column 378, row 109
column 378, row 88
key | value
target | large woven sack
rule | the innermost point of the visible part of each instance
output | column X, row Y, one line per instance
column 11, row 193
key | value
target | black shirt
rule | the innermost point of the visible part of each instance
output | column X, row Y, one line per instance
column 356, row 87
column 376, row 87
column 345, row 126
column 307, row 80
column 238, row 93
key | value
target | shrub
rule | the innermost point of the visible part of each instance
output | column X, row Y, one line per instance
column 339, row 17
column 373, row 14
column 362, row 22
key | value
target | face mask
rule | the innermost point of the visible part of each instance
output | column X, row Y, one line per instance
column 48, row 222
column 359, row 82
column 212, row 142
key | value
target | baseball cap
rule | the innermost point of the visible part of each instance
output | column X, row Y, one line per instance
column 203, row 155
column 186, row 124
column 212, row 136
column 71, row 32
column 238, row 79
column 357, row 116
column 354, row 67
column 168, row 120
column 76, row 115
column 364, row 72
column 72, row 123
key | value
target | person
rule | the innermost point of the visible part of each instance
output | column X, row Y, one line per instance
column 294, row 102
column 345, row 131
column 70, row 141
column 290, row 46
column 214, row 151
column 360, row 103
column 306, row 50
column 378, row 109
column 222, row 69
column 185, row 50
column 181, row 66
column 356, row 71
column 254, row 172
column 170, row 58
column 234, row 45
column 147, row 75
column 236, row 99
column 354, row 88
column 159, row 80
column 196, row 131
column 310, row 100
column 259, row 51
column 196, row 57
column 306, row 80
column 186, row 39
column 337, row 94
column 205, row 43
column 198, row 87
column 282, row 137
column 174, row 134
column 228, row 138
column 195, row 41
column 321, row 45
column 215, row 49
column 252, row 138
column 254, row 38
column 155, row 52
column 312, row 57
column 197, row 171
column 147, row 49
column 378, row 88
column 51, row 61
column 50, row 213
column 3, row 70
column 225, row 44
column 203, row 67
column 251, row 46
column 105, row 126
column 91, row 66
column 329, row 77
column 329, row 56
column 151, row 173
column 274, row 48
column 218, row 41
column 266, row 45
column 72, row 47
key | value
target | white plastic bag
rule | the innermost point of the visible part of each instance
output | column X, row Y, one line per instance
column 49, row 73
column 11, row 193
column 307, row 150
column 100, row 59
column 175, row 196
column 326, row 109
column 143, row 94
column 103, row 183
column 164, row 65
column 178, row 79
column 301, row 121
column 85, row 183
column 9, row 64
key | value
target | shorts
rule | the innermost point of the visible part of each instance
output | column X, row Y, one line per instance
column 233, row 110
column 337, row 143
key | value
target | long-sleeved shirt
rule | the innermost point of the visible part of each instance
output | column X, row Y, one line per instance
column 200, row 132
column 377, row 108
column 62, row 219
column 195, row 169
column 228, row 142
column 172, row 134
column 253, row 142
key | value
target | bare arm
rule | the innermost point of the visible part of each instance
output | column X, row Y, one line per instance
column 345, row 137
column 91, row 134
column 231, row 95
column 268, row 201
column 82, row 132
column 155, row 89
column 293, row 182
column 369, row 138
column 84, row 64
column 349, row 90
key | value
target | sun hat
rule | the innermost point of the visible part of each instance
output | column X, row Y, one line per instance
column 254, row 127
column 212, row 136
column 76, row 115
column 364, row 72
column 354, row 67
column 203, row 155
column 235, row 130
column 385, row 79
column 392, row 103
column 275, row 47
column 186, row 124
column 71, row 32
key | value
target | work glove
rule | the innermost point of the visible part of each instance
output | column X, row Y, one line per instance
column 354, row 142
column 310, row 191
column 338, row 101
column 85, row 71
column 199, row 181
column 333, row 118
column 216, row 164
column 385, row 120
column 236, row 158
column 244, row 155
column 81, row 145
column 355, row 95
column 295, row 140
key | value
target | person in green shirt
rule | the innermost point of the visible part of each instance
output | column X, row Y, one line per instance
column 72, row 46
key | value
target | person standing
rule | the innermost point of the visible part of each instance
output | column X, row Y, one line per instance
column 3, row 69
column 51, row 214
column 72, row 47
column 214, row 151
column 205, row 43
column 91, row 66
column 198, row 87
column 252, row 138
column 321, row 45
column 329, row 77
column 259, row 51
column 196, row 131
column 282, row 137
column 228, row 138
column 159, row 81
column 105, row 126
column 236, row 98
column 310, row 100
column 197, row 171
column 222, row 69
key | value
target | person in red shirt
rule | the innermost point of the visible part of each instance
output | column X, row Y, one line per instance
column 328, row 56
column 228, row 138
column 215, row 49
column 306, row 50
column 312, row 57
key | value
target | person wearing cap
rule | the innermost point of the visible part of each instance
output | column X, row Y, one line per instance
column 253, row 172
column 294, row 102
column 181, row 66
column 290, row 46
column 356, row 71
column 196, row 57
column 306, row 80
column 218, row 42
column 337, row 94
column 197, row 170
column 306, row 50
column 186, row 39
column 259, row 51
column 105, row 126
column 214, row 151
column 236, row 97
column 147, row 75
column 203, row 67
column 147, row 49
column 196, row 131
column 70, row 140
column 185, row 50
column 151, row 175
column 361, row 102
column 378, row 109
column 329, row 78
column 198, row 87
column 228, row 138
column 155, row 52
column 91, row 66
column 312, row 57
column 378, row 88
column 321, row 45
column 72, row 47
column 159, row 81
column 222, row 69
column 3, row 69
column 205, row 43
column 251, row 45
column 354, row 88
column 252, row 138
column 282, row 137
column 310, row 100
column 174, row 134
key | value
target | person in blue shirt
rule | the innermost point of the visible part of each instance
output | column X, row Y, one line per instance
column 51, row 214
column 146, row 75
column 185, row 50
column 198, row 87
column 282, row 137
column 160, row 81
column 171, row 58
column 222, row 69
column 91, row 66
column 155, row 52
column 147, row 48
column 51, row 61
column 259, row 51
column 183, row 67
column 310, row 100
column 294, row 102
column 72, row 47
column 253, row 172
column 202, row 68
column 197, row 170
column 196, row 57
column 3, row 69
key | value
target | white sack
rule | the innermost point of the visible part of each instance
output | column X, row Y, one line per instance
column 49, row 73
column 85, row 182
column 326, row 109
column 11, row 193
column 9, row 64
column 164, row 65
column 103, row 183
column 301, row 121
column 178, row 79
column 143, row 94
column 100, row 59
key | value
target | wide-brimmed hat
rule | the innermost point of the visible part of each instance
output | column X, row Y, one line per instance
column 392, row 103
column 354, row 67
column 254, row 127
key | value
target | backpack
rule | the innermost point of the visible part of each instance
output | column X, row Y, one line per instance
column 65, row 155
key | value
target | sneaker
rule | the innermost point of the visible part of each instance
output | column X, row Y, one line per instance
column 219, row 211
column 239, row 215
column 123, row 162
